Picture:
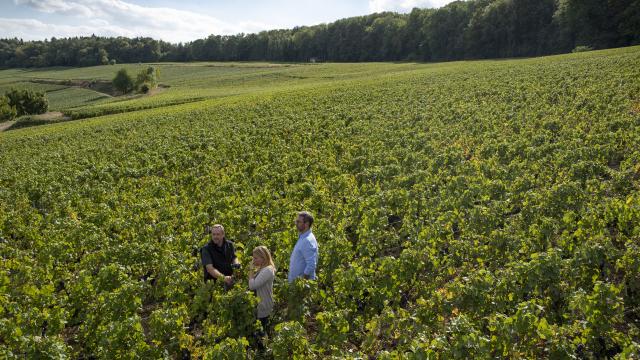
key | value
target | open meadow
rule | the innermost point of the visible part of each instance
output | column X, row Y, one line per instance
column 475, row 209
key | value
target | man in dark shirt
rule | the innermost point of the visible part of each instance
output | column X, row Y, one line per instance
column 219, row 257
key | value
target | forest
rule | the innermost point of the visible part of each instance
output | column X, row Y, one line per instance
column 475, row 29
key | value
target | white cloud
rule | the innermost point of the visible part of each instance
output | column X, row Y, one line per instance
column 57, row 6
column 31, row 29
column 118, row 17
column 404, row 5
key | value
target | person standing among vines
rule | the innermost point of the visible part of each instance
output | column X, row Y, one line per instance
column 261, row 278
column 219, row 257
column 304, row 256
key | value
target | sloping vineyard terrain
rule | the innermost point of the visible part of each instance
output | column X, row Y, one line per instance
column 484, row 209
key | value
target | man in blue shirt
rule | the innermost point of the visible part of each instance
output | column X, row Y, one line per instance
column 304, row 256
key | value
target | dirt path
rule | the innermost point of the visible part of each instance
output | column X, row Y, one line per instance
column 52, row 115
column 5, row 125
column 33, row 120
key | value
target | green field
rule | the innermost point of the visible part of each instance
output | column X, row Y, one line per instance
column 185, row 83
column 485, row 209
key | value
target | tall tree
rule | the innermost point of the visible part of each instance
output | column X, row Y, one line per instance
column 123, row 81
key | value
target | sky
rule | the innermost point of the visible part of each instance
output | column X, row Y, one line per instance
column 179, row 21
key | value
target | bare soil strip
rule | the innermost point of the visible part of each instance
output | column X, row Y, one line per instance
column 5, row 125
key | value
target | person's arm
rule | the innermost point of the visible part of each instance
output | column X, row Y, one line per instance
column 234, row 260
column 208, row 265
column 262, row 278
column 214, row 272
column 310, row 254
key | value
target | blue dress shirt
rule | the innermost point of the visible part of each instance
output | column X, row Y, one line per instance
column 304, row 257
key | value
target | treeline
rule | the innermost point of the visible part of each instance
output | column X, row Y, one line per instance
column 81, row 51
column 472, row 29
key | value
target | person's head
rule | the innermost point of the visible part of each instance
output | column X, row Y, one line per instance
column 217, row 234
column 262, row 257
column 304, row 221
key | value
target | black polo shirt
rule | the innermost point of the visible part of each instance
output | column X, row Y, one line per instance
column 221, row 257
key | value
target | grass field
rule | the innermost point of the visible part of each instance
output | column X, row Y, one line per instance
column 191, row 82
column 485, row 209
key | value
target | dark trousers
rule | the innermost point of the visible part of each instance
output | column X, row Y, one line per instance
column 262, row 333
column 265, row 324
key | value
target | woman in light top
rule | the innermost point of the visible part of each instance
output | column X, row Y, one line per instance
column 261, row 281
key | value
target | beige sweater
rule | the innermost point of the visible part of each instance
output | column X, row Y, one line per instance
column 262, row 283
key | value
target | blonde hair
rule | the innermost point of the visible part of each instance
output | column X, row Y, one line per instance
column 265, row 254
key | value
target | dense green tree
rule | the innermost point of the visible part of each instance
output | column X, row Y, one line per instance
column 627, row 18
column 590, row 22
column 27, row 102
column 7, row 112
column 123, row 81
column 147, row 79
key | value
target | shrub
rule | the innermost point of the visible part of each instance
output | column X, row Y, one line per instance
column 333, row 328
column 27, row 102
column 299, row 299
column 237, row 317
column 112, row 62
column 144, row 88
column 290, row 341
column 7, row 112
column 229, row 349
column 166, row 325
column 147, row 79
column 582, row 48
column 123, row 81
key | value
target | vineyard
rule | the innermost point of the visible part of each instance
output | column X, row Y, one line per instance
column 486, row 209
